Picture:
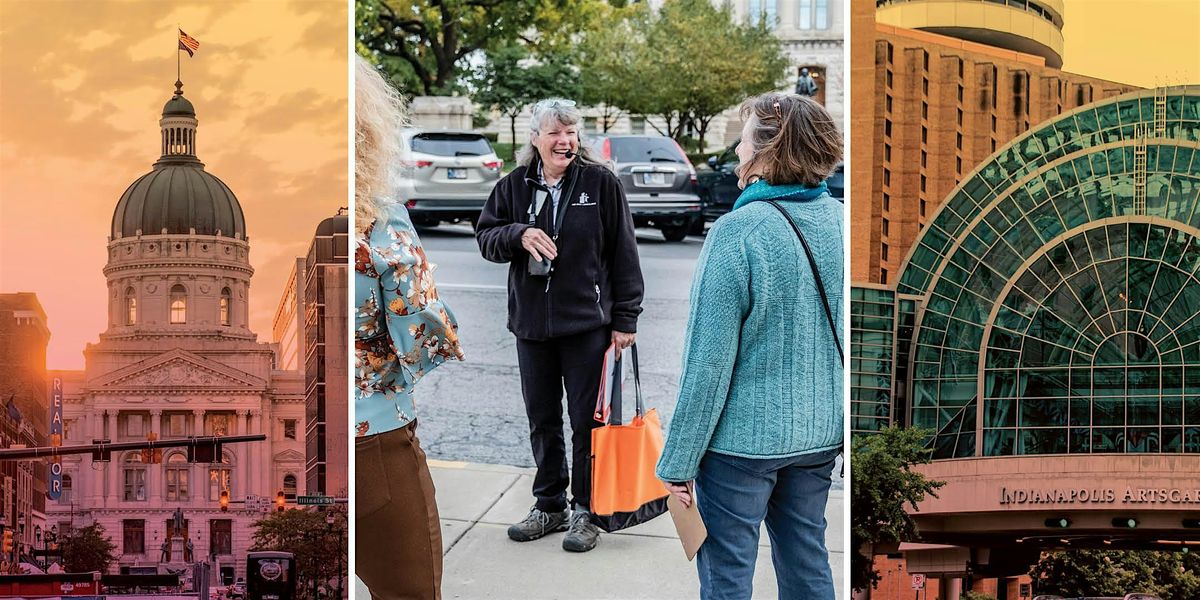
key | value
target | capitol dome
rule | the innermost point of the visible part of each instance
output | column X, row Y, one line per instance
column 178, row 196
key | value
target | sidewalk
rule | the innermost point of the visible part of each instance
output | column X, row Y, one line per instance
column 478, row 502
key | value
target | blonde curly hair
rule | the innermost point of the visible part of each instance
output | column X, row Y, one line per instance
column 379, row 115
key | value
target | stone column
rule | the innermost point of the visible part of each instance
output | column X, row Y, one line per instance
column 113, row 494
column 154, row 473
column 92, row 477
column 242, row 456
column 952, row 587
column 254, row 455
column 198, row 484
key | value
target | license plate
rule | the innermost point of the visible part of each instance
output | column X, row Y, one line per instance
column 654, row 178
column 456, row 173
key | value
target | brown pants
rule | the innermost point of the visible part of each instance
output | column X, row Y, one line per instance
column 399, row 537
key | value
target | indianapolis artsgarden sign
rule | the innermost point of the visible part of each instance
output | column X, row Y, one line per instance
column 1129, row 495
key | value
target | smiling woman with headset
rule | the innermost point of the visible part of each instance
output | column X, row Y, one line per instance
column 574, row 287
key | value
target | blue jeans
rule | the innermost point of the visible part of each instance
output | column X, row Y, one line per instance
column 735, row 495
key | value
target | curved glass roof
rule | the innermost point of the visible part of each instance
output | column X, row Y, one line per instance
column 1043, row 241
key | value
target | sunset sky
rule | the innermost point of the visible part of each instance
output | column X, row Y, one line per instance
column 1141, row 42
column 83, row 88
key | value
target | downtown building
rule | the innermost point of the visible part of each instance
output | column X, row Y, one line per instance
column 310, row 333
column 24, row 420
column 178, row 360
column 1024, row 289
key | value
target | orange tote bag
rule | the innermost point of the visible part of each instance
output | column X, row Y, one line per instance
column 625, row 491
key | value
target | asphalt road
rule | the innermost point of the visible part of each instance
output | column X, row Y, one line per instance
column 472, row 411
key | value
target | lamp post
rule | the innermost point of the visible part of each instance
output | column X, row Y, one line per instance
column 330, row 524
column 51, row 543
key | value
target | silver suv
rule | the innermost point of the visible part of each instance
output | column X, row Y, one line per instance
column 659, row 181
column 448, row 175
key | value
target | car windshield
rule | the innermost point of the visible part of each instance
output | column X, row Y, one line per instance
column 645, row 149
column 451, row 144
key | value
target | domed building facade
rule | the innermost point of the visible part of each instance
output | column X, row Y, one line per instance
column 178, row 359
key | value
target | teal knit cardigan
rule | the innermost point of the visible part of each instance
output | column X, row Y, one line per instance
column 761, row 376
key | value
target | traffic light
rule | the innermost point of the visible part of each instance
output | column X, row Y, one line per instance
column 224, row 500
column 102, row 455
column 280, row 502
column 6, row 546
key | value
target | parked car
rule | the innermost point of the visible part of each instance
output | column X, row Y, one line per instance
column 448, row 175
column 236, row 591
column 719, row 190
column 659, row 181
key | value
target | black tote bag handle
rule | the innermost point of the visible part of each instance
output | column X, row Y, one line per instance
column 614, row 405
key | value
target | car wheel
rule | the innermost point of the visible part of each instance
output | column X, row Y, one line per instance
column 675, row 233
column 697, row 227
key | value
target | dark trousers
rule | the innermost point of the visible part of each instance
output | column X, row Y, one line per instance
column 573, row 361
column 399, row 543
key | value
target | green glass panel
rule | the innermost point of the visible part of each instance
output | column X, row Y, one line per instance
column 1081, row 412
column 1141, row 439
column 1046, row 383
column 1108, row 411
column 1172, row 410
column 1043, row 441
column 1191, row 410
column 1001, row 359
column 1191, row 440
column 1172, row 439
column 1043, row 412
column 1156, row 242
column 1106, row 439
column 1046, row 222
column 1142, row 411
column 999, row 442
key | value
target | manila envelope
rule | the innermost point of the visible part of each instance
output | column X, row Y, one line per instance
column 688, row 523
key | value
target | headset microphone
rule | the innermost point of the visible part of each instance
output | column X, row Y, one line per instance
column 567, row 153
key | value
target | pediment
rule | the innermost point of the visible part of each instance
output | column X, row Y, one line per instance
column 178, row 369
column 289, row 456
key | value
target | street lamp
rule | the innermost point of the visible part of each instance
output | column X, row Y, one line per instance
column 51, row 543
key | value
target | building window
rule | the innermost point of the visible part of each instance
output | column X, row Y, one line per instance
column 822, row 14
column 960, row 68
column 224, row 307
column 887, row 177
column 887, row 202
column 178, row 471
column 889, row 78
column 924, row 110
column 289, row 429
column 220, row 536
column 178, row 305
column 924, row 60
column 804, row 15
column 289, row 486
column 993, row 146
column 887, row 103
column 924, row 158
column 67, row 486
column 993, row 123
column 958, row 141
column 763, row 11
column 925, row 86
column 960, row 93
column 883, row 252
column 924, row 135
column 958, row 164
column 134, row 534
column 130, row 306
column 960, row 116
column 887, row 153
column 885, row 226
column 220, row 479
column 922, row 207
column 134, row 473
column 217, row 424
column 637, row 125
column 887, row 127
column 883, row 276
column 923, row 183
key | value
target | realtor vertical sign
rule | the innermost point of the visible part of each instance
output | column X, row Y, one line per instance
column 56, row 431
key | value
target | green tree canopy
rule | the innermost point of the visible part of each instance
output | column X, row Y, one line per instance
column 315, row 545
column 882, row 484
column 511, row 80
column 87, row 549
column 1169, row 575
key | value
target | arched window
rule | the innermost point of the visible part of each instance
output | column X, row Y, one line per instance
column 178, row 471
column 289, row 486
column 65, row 497
column 224, row 308
column 220, row 478
column 134, row 471
column 178, row 304
column 130, row 306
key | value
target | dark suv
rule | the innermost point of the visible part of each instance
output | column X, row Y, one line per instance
column 659, row 181
column 719, row 190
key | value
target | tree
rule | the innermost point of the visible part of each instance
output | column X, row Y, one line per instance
column 314, row 543
column 882, row 485
column 511, row 80
column 422, row 44
column 1169, row 575
column 608, row 57
column 87, row 549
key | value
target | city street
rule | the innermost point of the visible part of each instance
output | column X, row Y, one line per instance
column 472, row 411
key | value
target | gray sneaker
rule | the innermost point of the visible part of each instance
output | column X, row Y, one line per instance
column 538, row 524
column 583, row 534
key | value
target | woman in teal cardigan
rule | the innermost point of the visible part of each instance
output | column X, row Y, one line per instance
column 759, row 420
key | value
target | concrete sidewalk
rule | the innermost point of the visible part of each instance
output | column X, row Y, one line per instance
column 478, row 502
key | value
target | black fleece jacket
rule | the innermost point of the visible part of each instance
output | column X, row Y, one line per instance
column 597, row 278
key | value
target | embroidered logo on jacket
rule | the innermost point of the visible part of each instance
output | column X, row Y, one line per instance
column 584, row 200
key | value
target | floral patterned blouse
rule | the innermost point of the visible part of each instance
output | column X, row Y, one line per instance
column 401, row 329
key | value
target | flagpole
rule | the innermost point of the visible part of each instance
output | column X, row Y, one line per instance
column 178, row 59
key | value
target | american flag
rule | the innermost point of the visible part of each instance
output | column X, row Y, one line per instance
column 188, row 43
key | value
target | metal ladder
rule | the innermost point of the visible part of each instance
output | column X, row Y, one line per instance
column 1160, row 112
column 1139, row 170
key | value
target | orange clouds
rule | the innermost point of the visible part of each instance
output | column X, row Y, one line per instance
column 84, row 84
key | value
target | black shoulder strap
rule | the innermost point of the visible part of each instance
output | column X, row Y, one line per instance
column 812, row 262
